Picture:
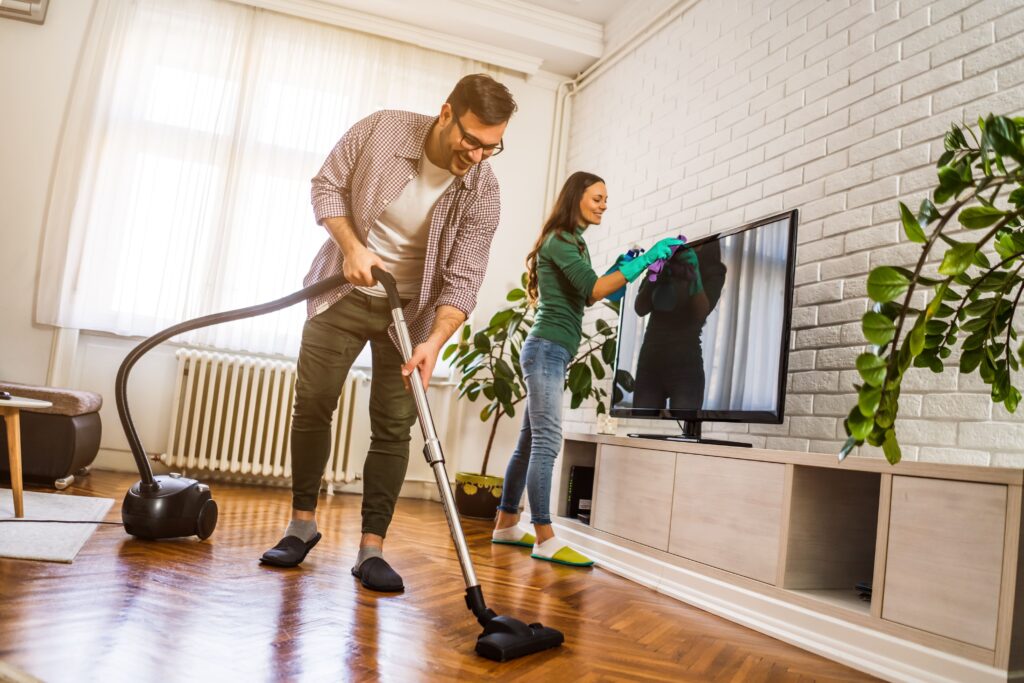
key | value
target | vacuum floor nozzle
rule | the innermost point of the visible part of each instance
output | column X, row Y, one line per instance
column 505, row 638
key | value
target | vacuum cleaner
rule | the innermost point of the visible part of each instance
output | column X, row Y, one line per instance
column 172, row 506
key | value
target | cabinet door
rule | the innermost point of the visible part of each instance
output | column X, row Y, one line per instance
column 633, row 496
column 944, row 559
column 727, row 513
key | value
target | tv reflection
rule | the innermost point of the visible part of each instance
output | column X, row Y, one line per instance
column 678, row 297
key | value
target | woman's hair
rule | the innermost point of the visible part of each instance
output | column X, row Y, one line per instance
column 564, row 220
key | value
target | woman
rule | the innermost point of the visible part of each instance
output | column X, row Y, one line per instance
column 561, row 282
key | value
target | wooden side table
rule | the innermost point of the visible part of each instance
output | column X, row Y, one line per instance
column 10, row 409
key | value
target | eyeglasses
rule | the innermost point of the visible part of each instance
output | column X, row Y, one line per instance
column 471, row 144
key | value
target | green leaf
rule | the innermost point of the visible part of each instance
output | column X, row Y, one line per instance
column 871, row 368
column 858, row 425
column 502, row 390
column 601, row 326
column 449, row 350
column 1012, row 400
column 501, row 317
column 868, row 400
column 891, row 448
column 1002, row 133
column 878, row 329
column 579, row 379
column 596, row 366
column 516, row 295
column 910, row 225
column 916, row 338
column 886, row 283
column 957, row 259
column 482, row 342
column 980, row 307
column 503, row 370
column 466, row 331
column 608, row 351
column 970, row 359
column 979, row 217
column 927, row 213
column 981, row 260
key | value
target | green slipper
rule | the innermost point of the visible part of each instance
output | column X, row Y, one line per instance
column 565, row 555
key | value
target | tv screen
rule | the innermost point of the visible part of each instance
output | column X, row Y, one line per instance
column 714, row 347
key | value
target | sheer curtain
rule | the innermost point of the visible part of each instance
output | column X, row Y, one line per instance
column 182, row 185
column 742, row 334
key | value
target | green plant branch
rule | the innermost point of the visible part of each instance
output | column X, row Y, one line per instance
column 913, row 283
column 976, row 283
column 1009, row 325
column 994, row 313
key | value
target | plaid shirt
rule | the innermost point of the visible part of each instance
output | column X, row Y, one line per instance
column 366, row 171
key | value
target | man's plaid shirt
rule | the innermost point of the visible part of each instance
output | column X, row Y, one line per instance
column 366, row 171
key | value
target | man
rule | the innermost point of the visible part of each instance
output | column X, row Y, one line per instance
column 414, row 196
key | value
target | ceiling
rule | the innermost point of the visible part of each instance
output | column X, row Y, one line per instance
column 598, row 11
column 563, row 37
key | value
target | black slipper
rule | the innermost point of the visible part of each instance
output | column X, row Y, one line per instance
column 377, row 575
column 290, row 551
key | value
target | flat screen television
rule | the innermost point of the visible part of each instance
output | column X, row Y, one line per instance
column 714, row 350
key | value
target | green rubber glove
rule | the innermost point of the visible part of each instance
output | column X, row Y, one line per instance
column 662, row 249
column 688, row 255
column 622, row 258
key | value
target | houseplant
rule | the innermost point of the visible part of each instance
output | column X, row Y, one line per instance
column 488, row 360
column 976, row 287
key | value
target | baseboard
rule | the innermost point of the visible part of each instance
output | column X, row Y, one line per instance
column 861, row 648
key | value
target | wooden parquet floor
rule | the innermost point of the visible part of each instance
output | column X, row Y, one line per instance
column 184, row 610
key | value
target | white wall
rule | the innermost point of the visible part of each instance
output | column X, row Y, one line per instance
column 39, row 63
column 743, row 108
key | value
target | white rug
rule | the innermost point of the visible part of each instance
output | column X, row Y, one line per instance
column 50, row 542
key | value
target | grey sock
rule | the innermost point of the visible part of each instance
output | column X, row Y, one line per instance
column 368, row 552
column 304, row 529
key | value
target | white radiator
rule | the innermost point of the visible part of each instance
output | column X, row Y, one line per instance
column 232, row 416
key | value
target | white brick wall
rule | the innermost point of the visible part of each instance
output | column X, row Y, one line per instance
column 742, row 108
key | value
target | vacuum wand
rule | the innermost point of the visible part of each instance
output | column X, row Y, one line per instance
column 503, row 638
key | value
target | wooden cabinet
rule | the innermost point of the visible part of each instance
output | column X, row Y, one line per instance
column 727, row 513
column 633, row 494
column 945, row 557
column 940, row 545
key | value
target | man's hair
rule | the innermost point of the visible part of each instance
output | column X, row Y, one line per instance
column 487, row 98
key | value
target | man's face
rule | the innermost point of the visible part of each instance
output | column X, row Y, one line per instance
column 467, row 141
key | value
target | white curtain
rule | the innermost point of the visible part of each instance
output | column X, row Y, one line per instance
column 182, row 185
column 742, row 335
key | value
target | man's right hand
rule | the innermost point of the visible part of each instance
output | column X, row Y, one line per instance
column 357, row 265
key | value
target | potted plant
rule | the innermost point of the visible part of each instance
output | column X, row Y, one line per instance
column 975, row 289
column 488, row 360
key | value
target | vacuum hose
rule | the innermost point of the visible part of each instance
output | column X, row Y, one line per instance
column 121, row 383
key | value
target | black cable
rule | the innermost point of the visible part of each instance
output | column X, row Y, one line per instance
column 59, row 521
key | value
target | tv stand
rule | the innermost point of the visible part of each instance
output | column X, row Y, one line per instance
column 691, row 434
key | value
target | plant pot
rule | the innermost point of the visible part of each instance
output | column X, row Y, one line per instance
column 477, row 496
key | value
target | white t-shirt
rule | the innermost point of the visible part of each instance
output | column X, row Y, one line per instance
column 399, row 237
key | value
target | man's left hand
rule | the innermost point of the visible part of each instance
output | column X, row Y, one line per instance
column 424, row 357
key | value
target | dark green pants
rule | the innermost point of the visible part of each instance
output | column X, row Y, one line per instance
column 330, row 343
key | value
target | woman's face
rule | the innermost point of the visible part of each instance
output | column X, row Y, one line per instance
column 593, row 204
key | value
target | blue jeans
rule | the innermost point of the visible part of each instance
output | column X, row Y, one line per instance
column 544, row 363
